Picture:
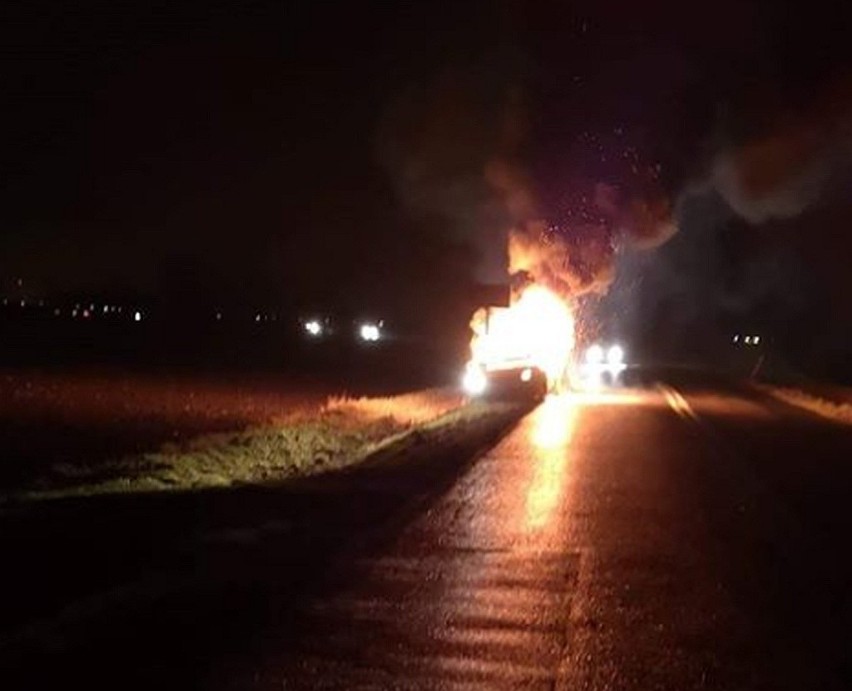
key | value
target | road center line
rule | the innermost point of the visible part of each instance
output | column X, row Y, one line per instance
column 677, row 402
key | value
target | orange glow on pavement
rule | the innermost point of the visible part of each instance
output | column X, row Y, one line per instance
column 551, row 436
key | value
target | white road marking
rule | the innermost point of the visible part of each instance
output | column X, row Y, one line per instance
column 678, row 403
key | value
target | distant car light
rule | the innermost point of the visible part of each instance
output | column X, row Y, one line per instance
column 615, row 355
column 313, row 327
column 369, row 332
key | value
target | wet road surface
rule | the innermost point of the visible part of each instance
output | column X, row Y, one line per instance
column 687, row 535
column 630, row 540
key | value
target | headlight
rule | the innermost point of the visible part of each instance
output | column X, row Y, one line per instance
column 369, row 332
column 313, row 327
column 594, row 355
column 615, row 356
column 474, row 381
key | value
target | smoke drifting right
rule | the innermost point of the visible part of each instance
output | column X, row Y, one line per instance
column 679, row 174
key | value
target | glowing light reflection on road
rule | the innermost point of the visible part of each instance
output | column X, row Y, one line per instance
column 551, row 436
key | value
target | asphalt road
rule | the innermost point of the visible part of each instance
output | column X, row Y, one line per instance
column 686, row 534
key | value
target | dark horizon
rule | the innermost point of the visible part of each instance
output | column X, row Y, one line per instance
column 341, row 157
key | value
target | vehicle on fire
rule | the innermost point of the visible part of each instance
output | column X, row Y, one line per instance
column 507, row 380
column 521, row 350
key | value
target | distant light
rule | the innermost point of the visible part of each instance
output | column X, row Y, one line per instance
column 57, row 312
column 106, row 309
column 474, row 381
column 257, row 317
column 85, row 314
column 615, row 355
column 23, row 303
column 526, row 374
column 595, row 354
column 74, row 314
column 756, row 340
column 313, row 327
column 370, row 332
column 748, row 339
column 218, row 316
column 736, row 338
column 92, row 307
column 137, row 316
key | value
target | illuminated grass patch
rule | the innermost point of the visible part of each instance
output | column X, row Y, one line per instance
column 344, row 431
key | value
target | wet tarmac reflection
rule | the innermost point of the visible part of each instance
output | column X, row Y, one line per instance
column 553, row 427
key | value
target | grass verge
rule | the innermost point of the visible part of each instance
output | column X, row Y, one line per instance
column 345, row 431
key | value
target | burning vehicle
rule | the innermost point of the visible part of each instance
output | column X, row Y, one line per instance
column 512, row 380
column 523, row 350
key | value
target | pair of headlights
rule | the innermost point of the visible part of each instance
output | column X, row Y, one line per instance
column 369, row 332
column 597, row 355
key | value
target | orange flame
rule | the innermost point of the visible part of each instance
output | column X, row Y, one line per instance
column 537, row 330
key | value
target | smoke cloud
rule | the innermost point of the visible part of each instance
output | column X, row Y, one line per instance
column 788, row 161
column 457, row 148
column 438, row 140
column 631, row 118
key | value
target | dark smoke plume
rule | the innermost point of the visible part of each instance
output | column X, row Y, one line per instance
column 456, row 147
column 438, row 141
column 785, row 167
column 461, row 146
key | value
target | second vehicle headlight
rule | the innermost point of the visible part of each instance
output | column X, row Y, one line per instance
column 615, row 355
column 594, row 355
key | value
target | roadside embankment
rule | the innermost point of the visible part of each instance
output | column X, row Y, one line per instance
column 340, row 433
column 783, row 381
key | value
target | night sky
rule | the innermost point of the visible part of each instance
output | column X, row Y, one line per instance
column 311, row 153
